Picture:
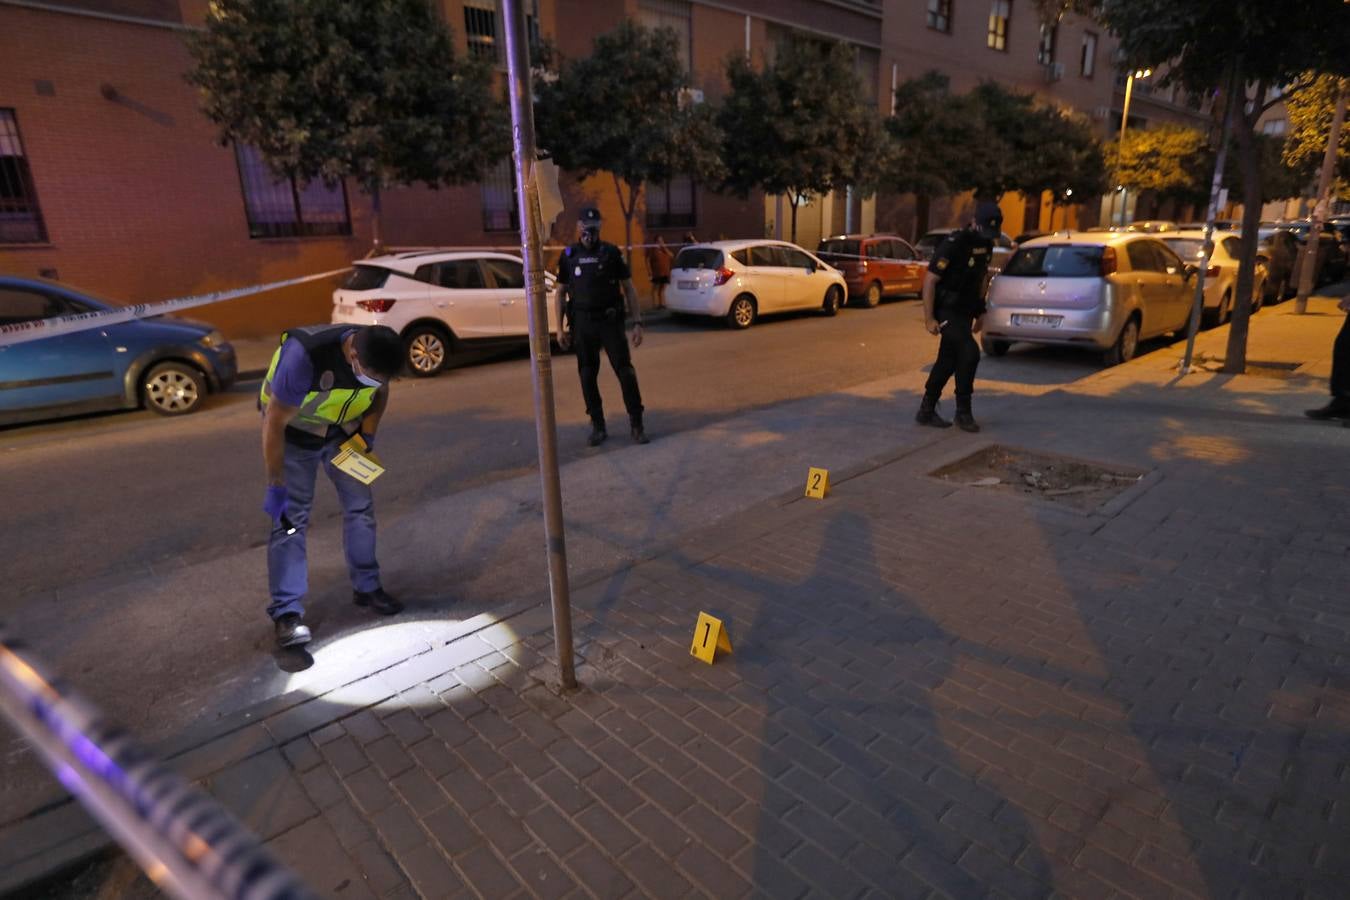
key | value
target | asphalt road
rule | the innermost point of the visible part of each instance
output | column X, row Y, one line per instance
column 101, row 496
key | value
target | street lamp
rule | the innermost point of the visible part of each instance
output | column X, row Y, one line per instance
column 1125, row 117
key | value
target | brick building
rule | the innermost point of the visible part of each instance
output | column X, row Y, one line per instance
column 111, row 179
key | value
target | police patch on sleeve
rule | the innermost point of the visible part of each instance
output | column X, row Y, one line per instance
column 941, row 264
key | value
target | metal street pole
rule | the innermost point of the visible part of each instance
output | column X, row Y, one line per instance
column 545, row 423
column 1215, row 188
column 1319, row 214
column 1124, row 118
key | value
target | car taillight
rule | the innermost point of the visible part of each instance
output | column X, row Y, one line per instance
column 1212, row 272
column 723, row 276
column 1108, row 260
column 375, row 305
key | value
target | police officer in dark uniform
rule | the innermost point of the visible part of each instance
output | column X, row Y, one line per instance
column 594, row 284
column 953, row 307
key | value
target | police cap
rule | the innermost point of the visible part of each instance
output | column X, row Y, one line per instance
column 988, row 215
column 590, row 215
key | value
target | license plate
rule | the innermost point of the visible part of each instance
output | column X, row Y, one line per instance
column 1047, row 321
column 687, row 285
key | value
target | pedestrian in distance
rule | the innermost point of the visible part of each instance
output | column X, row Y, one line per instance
column 659, row 260
column 1339, row 407
column 325, row 384
column 594, row 286
column 953, row 309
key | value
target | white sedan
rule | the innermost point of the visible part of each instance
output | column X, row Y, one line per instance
column 441, row 301
column 741, row 280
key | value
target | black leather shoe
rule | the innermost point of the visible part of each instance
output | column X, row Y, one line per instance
column 966, row 422
column 928, row 415
column 1336, row 409
column 640, row 434
column 377, row 600
column 598, row 434
column 291, row 632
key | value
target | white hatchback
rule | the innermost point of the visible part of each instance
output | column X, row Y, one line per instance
column 1221, row 274
column 441, row 301
column 741, row 280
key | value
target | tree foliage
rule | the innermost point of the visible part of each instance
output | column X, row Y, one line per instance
column 327, row 89
column 1173, row 161
column 937, row 141
column 799, row 126
column 1247, row 47
column 620, row 110
column 1310, row 112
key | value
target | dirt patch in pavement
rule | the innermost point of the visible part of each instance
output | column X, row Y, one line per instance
column 1072, row 482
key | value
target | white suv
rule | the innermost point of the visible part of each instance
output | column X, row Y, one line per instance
column 739, row 280
column 441, row 301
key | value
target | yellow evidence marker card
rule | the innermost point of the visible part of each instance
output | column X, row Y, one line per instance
column 356, row 461
column 817, row 483
column 709, row 637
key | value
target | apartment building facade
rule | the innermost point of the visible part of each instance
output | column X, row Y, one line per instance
column 112, row 180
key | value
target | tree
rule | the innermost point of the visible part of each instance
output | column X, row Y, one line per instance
column 1246, row 47
column 329, row 89
column 1310, row 111
column 799, row 126
column 937, row 144
column 1172, row 161
column 621, row 110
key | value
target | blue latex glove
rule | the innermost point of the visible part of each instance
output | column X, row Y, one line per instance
column 274, row 504
column 370, row 441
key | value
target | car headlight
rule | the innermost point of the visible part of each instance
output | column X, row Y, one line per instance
column 212, row 340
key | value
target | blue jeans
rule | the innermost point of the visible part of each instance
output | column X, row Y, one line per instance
column 287, row 569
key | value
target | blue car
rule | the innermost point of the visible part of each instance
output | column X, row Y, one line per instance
column 168, row 365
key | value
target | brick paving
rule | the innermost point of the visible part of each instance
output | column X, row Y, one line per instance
column 935, row 690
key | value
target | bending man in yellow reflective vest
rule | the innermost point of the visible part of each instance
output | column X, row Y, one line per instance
column 325, row 384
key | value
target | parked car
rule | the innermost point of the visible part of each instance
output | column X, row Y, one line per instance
column 165, row 364
column 1331, row 255
column 1105, row 291
column 441, row 302
column 1027, row 236
column 874, row 265
column 928, row 244
column 1220, row 274
column 1152, row 226
column 1280, row 251
column 742, row 280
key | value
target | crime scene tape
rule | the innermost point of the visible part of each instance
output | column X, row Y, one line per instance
column 23, row 332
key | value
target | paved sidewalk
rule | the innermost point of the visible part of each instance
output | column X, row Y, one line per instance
column 935, row 689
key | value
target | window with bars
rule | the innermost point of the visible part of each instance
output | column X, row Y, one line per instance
column 675, row 15
column 498, row 191
column 940, row 15
column 480, row 28
column 285, row 207
column 1087, row 64
column 1045, row 50
column 999, row 13
column 671, row 205
column 20, row 217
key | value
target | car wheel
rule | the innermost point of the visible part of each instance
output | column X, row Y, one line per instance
column 1213, row 318
column 873, row 296
column 995, row 348
column 173, row 389
column 834, row 298
column 1126, row 344
column 427, row 350
column 741, row 315
column 1277, row 294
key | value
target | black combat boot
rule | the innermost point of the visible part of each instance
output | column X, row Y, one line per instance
column 1338, row 408
column 291, row 632
column 598, row 433
column 639, row 433
column 965, row 420
column 928, row 414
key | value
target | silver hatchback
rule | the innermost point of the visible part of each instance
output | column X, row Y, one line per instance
column 1103, row 290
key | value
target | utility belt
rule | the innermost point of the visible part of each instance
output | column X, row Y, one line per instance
column 597, row 314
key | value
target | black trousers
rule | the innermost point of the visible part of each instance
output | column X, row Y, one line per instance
column 591, row 334
column 1340, row 363
column 959, row 355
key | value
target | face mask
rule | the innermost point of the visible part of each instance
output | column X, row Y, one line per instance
column 367, row 380
column 590, row 236
column 990, row 230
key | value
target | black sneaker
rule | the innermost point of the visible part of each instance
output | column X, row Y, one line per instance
column 377, row 600
column 640, row 434
column 1338, row 408
column 598, row 434
column 928, row 415
column 966, row 422
column 291, row 632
